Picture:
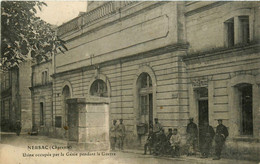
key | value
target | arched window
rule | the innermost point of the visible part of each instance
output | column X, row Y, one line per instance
column 145, row 95
column 99, row 88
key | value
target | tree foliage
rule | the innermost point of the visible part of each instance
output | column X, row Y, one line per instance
column 24, row 36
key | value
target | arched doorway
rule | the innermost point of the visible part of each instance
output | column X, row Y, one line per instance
column 145, row 97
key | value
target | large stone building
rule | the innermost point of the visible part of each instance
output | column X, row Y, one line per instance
column 15, row 100
column 170, row 60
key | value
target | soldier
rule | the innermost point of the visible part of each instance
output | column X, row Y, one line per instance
column 175, row 143
column 192, row 135
column 168, row 148
column 221, row 135
column 18, row 127
column 121, row 134
column 160, row 145
column 149, row 141
column 157, row 127
column 113, row 135
column 169, row 134
column 207, row 135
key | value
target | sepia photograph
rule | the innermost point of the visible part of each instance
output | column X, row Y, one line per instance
column 130, row 82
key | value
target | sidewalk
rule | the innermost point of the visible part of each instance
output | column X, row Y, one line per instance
column 193, row 159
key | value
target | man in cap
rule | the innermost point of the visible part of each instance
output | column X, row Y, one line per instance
column 157, row 127
column 113, row 135
column 121, row 134
column 220, row 138
column 192, row 135
column 168, row 147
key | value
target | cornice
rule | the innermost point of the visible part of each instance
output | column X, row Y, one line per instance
column 204, row 8
column 40, row 86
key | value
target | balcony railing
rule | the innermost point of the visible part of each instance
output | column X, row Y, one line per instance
column 92, row 16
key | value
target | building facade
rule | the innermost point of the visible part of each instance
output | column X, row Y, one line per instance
column 16, row 98
column 165, row 60
column 42, row 104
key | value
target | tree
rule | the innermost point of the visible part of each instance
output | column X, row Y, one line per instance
column 24, row 36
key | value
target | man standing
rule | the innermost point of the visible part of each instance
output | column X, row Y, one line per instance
column 207, row 136
column 221, row 135
column 18, row 127
column 113, row 135
column 192, row 135
column 121, row 134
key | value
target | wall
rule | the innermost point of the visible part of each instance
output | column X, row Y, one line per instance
column 25, row 96
column 42, row 93
column 118, row 35
column 205, row 22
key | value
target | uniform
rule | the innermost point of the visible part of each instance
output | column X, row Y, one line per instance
column 175, row 141
column 121, row 135
column 149, row 142
column 192, row 135
column 160, row 145
column 113, row 136
column 157, row 127
column 221, row 135
column 207, row 135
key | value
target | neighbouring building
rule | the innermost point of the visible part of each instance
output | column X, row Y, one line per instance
column 170, row 60
column 16, row 98
column 42, row 93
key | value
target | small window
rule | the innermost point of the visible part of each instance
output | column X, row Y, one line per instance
column 44, row 77
column 144, row 105
column 41, row 114
column 6, row 109
column 6, row 80
column 230, row 32
column 244, row 29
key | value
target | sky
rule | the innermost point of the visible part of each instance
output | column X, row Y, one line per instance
column 58, row 12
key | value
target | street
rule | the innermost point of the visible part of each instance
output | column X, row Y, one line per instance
column 27, row 149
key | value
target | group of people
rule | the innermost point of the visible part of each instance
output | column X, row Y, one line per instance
column 207, row 134
column 160, row 143
column 117, row 134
